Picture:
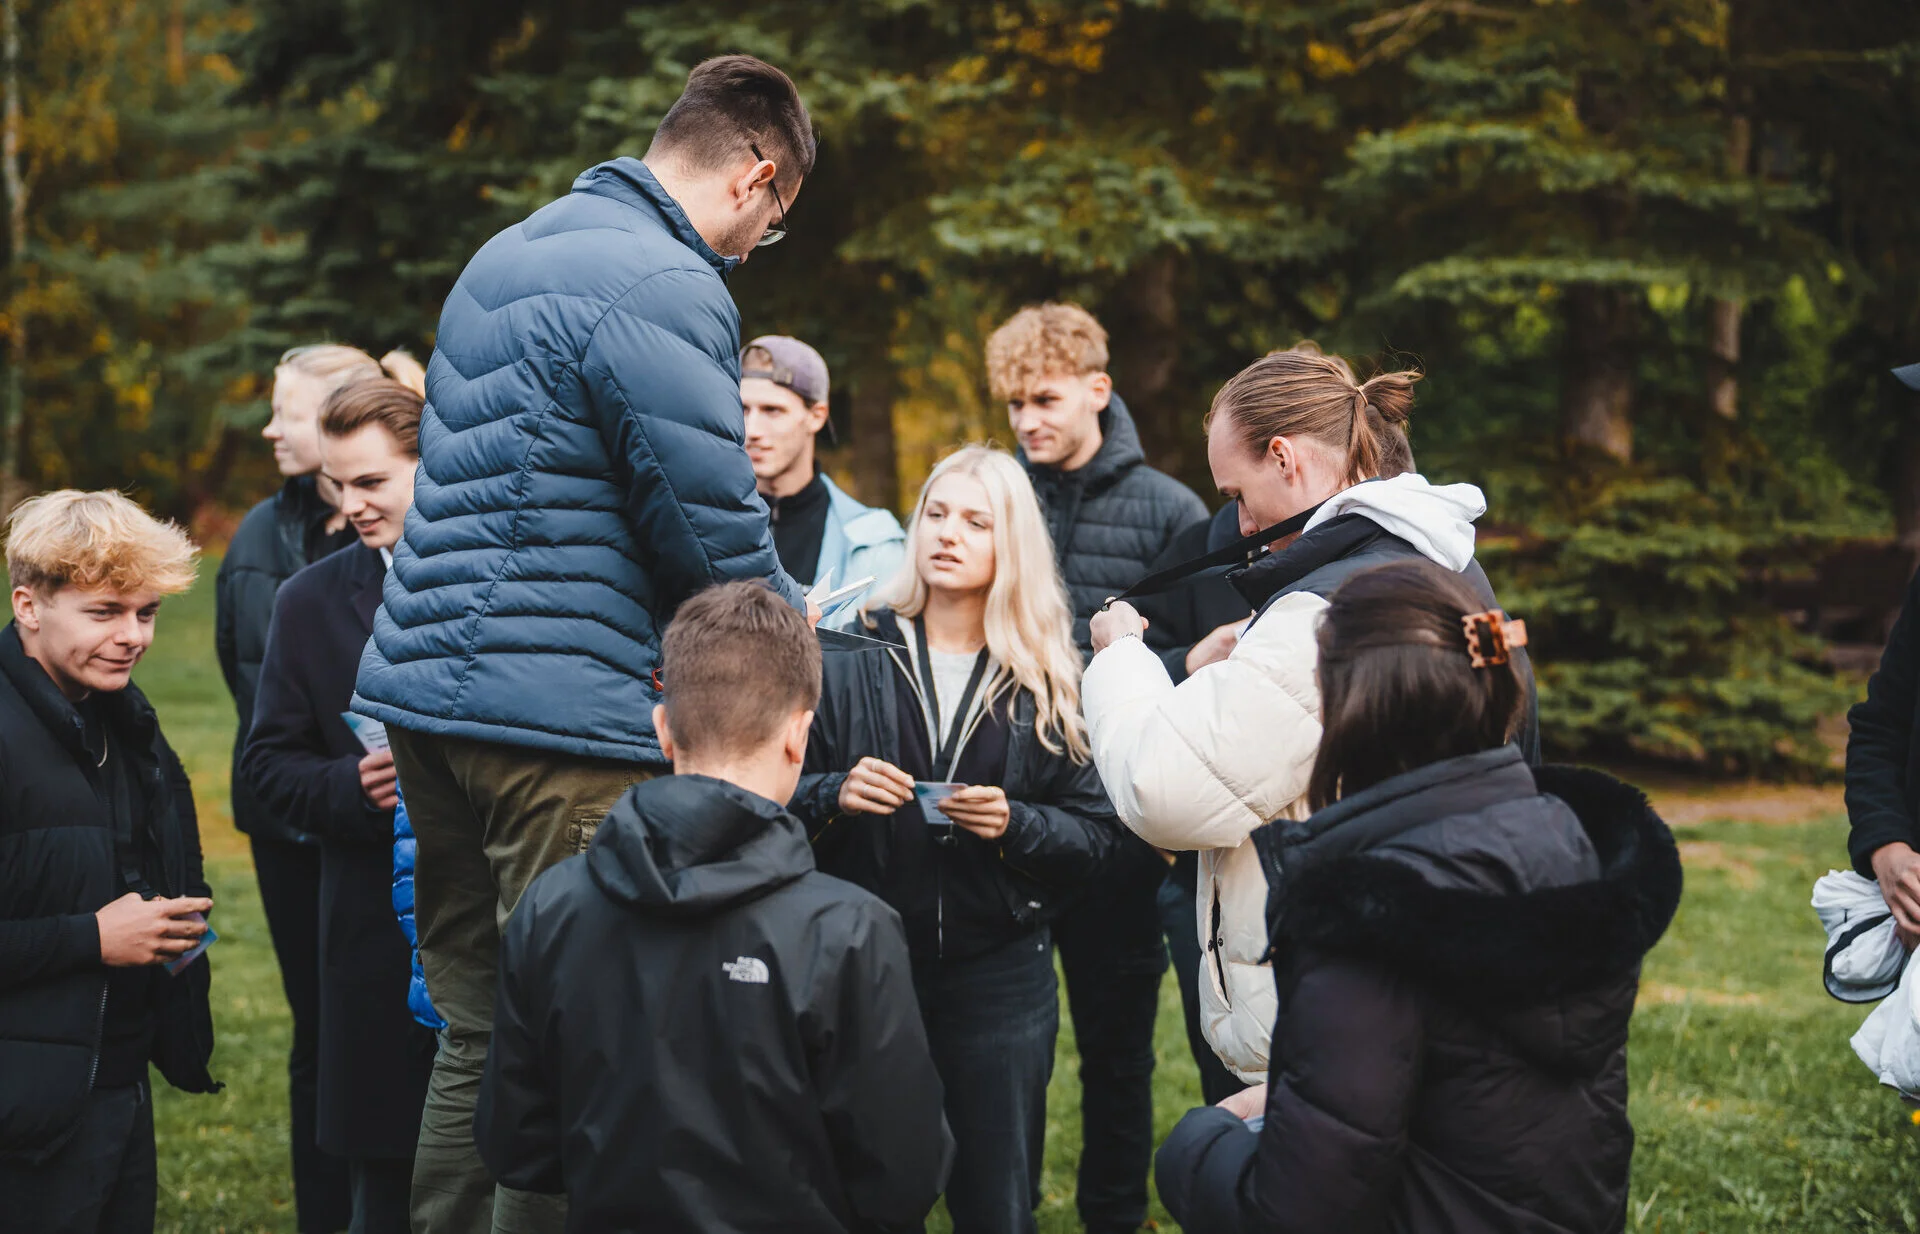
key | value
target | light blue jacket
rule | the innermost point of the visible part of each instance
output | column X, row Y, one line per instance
column 858, row 541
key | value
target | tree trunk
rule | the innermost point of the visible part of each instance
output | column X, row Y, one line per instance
column 1142, row 317
column 876, row 470
column 1723, row 335
column 1596, row 394
column 13, row 411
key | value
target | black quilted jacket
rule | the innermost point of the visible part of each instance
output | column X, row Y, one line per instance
column 1111, row 519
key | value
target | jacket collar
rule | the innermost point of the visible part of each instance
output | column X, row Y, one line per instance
column 1386, row 811
column 1120, row 452
column 629, row 180
column 1331, row 541
column 126, row 710
column 369, row 575
column 1500, row 951
column 688, row 845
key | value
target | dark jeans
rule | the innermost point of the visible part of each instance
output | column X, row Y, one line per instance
column 1179, row 919
column 289, row 876
column 991, row 1022
column 381, row 1187
column 1112, row 956
column 101, row 1181
column 487, row 820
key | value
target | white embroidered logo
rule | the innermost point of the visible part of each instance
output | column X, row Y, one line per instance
column 747, row 968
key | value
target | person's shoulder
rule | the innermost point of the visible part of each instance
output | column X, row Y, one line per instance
column 258, row 526
column 322, row 580
column 1150, row 481
column 843, row 914
column 862, row 524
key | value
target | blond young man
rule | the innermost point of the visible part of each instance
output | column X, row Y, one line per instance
column 1111, row 516
column 100, row 876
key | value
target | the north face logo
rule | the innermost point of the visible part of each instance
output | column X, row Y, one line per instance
column 747, row 968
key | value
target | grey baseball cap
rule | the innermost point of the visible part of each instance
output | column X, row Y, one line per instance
column 786, row 361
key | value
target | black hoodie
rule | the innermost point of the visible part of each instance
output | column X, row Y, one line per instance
column 1457, row 951
column 696, row 1030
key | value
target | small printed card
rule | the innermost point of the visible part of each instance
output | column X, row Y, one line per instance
column 372, row 733
column 930, row 793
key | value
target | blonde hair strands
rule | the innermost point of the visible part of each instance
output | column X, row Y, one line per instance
column 1029, row 622
column 1303, row 393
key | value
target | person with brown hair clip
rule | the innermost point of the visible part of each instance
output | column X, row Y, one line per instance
column 1293, row 435
column 1460, row 937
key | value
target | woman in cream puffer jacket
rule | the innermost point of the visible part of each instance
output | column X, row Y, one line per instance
column 1200, row 766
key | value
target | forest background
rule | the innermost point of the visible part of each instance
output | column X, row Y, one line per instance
column 1655, row 256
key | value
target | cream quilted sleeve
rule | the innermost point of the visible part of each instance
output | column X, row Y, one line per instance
column 1200, row 765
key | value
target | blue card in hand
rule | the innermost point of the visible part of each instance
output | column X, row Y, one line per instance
column 930, row 793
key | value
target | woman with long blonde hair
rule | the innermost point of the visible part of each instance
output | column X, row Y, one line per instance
column 949, row 773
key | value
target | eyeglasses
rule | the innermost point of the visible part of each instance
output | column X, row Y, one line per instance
column 776, row 232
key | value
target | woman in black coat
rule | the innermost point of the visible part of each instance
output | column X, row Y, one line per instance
column 1457, row 942
column 306, row 763
column 965, row 672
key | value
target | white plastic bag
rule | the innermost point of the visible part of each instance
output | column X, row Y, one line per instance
column 1864, row 957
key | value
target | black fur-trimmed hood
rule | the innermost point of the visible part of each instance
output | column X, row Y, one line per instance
column 1389, row 890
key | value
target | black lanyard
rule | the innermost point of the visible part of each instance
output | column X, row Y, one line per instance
column 949, row 749
column 1226, row 554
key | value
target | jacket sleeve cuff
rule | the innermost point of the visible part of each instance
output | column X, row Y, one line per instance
column 78, row 945
column 1870, row 837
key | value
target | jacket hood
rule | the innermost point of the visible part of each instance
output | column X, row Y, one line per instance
column 1437, row 520
column 629, row 180
column 687, row 845
column 1120, row 452
column 1555, row 967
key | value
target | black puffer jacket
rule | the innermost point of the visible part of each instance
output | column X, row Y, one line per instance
column 276, row 540
column 961, row 896
column 696, row 1030
column 1111, row 519
column 1457, row 951
column 57, row 869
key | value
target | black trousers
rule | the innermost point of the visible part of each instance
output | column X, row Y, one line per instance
column 101, row 1181
column 1112, row 955
column 289, row 877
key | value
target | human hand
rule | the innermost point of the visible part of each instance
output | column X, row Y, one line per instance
column 379, row 781
column 813, row 613
column 1897, row 867
column 134, row 931
column 980, row 808
column 1215, row 647
column 1247, row 1103
column 1117, row 621
column 875, row 786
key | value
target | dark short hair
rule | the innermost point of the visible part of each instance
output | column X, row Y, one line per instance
column 1398, row 689
column 736, row 663
column 730, row 104
column 375, row 400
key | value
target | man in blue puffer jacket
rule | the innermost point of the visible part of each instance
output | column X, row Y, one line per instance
column 581, row 474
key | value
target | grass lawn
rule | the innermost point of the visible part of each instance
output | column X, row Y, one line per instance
column 1753, row 1113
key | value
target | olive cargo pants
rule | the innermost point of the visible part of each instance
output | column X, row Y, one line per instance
column 487, row 819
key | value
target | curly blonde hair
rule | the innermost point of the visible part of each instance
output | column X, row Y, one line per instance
column 1043, row 340
column 88, row 540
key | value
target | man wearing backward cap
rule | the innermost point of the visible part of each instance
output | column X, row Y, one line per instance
column 818, row 530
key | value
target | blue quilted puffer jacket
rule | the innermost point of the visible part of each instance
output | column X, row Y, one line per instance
column 581, row 474
column 404, row 849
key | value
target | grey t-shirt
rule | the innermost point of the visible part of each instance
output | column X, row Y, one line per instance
column 951, row 670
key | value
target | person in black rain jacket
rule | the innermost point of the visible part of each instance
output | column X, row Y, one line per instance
column 1457, row 940
column 962, row 672
column 99, row 871
column 304, row 762
column 696, row 1029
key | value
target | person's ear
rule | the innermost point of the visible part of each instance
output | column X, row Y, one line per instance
column 1281, row 453
column 794, row 745
column 817, row 416
column 757, row 173
column 26, row 609
column 1100, row 386
column 663, row 730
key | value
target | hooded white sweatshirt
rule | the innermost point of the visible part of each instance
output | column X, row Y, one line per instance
column 1201, row 765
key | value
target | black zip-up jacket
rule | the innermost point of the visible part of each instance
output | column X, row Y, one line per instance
column 1457, row 951
column 1883, row 745
column 57, row 869
column 961, row 895
column 1111, row 519
column 278, row 538
column 697, row 1030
